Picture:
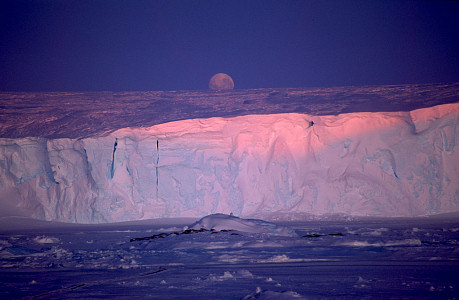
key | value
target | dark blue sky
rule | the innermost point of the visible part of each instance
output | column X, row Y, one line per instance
column 178, row 45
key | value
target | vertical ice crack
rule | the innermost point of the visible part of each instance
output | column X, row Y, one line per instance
column 157, row 163
column 91, row 180
column 47, row 162
column 112, row 167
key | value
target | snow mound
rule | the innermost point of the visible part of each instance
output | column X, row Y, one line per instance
column 229, row 222
column 46, row 240
column 266, row 294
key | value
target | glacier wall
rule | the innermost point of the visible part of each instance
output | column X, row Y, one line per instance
column 380, row 164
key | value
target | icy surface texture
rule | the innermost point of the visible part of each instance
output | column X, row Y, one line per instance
column 381, row 164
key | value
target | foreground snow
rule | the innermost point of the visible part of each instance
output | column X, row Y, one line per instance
column 380, row 164
column 223, row 258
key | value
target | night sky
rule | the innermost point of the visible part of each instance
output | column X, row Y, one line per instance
column 178, row 45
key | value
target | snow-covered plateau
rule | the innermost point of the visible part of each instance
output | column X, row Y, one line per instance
column 268, row 166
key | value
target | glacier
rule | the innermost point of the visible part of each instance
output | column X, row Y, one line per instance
column 388, row 164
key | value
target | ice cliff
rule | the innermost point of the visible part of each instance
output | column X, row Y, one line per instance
column 383, row 164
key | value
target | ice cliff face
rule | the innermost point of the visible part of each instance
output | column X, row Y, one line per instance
column 385, row 164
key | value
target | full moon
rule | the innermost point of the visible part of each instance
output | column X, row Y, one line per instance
column 221, row 81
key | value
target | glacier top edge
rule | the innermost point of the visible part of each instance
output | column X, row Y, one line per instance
column 81, row 115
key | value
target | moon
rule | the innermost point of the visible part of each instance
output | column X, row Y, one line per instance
column 221, row 81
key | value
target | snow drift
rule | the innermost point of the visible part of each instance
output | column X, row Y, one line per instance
column 382, row 164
